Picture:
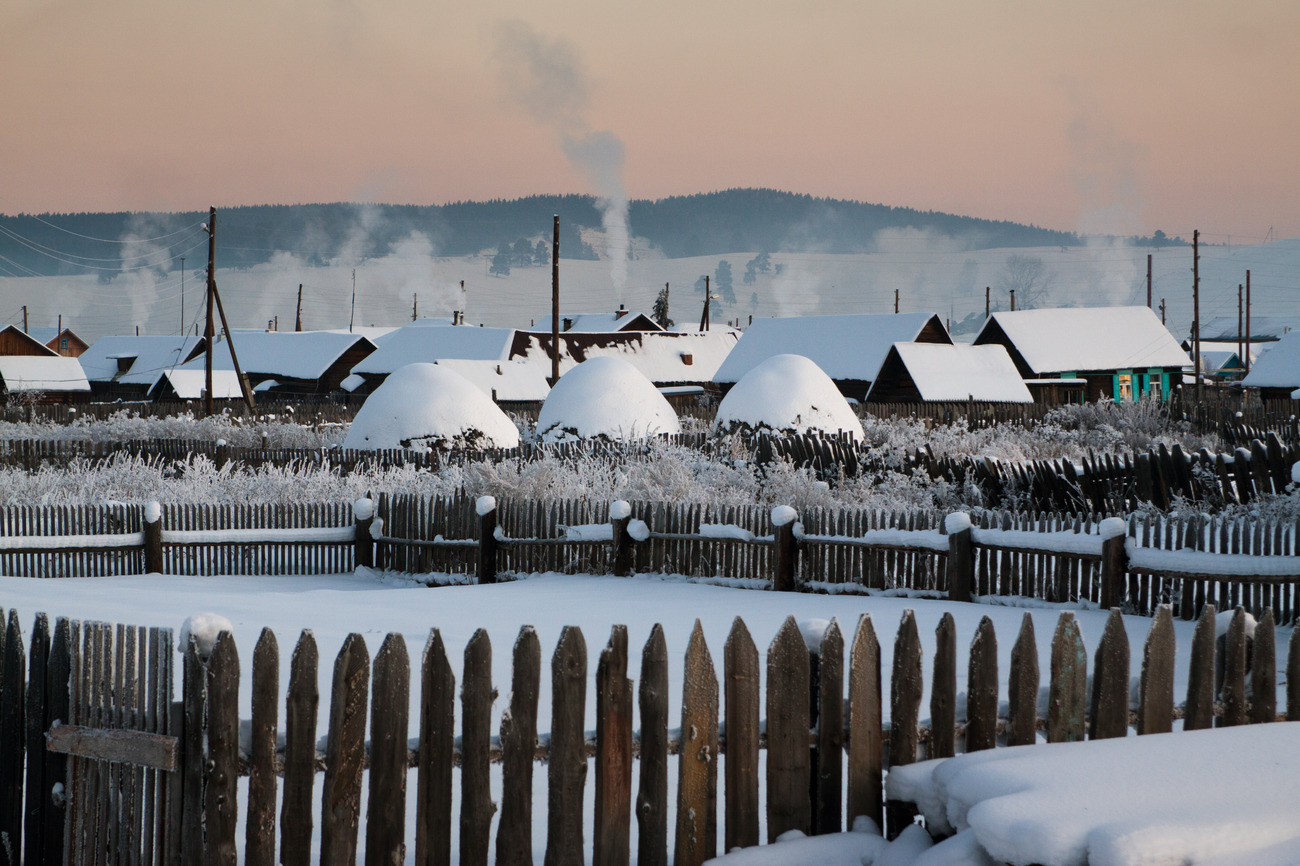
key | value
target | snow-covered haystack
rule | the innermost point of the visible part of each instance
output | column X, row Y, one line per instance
column 790, row 394
column 425, row 407
column 605, row 397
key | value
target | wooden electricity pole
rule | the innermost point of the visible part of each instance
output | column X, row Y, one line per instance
column 1239, row 324
column 1162, row 311
column 895, row 302
column 297, row 319
column 1196, row 312
column 555, row 302
column 986, row 302
column 415, row 306
column 209, row 331
column 1247, row 358
column 1148, row 281
column 1013, row 300
column 25, row 329
column 704, row 316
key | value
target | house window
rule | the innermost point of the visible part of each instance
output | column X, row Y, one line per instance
column 1124, row 387
column 1155, row 387
column 63, row 343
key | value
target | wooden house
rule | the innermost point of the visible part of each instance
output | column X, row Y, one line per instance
column 33, row 372
column 291, row 364
column 849, row 349
column 128, row 367
column 1114, row 353
column 667, row 358
column 1276, row 374
column 62, row 341
column 599, row 323
column 936, row 372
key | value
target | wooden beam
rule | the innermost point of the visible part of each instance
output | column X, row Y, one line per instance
column 154, row 751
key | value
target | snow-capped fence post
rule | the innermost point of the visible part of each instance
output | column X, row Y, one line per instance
column 153, row 550
column 961, row 556
column 363, row 517
column 620, row 515
column 1114, row 564
column 487, row 539
column 786, row 551
column 223, row 454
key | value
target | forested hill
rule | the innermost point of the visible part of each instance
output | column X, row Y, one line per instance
column 738, row 220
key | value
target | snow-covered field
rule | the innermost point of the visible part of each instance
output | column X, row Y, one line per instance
column 374, row 604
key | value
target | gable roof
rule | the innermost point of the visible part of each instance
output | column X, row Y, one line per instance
column 289, row 354
column 660, row 356
column 958, row 372
column 511, row 381
column 27, row 373
column 415, row 344
column 599, row 323
column 188, row 384
column 1262, row 328
column 1077, row 339
column 1279, row 367
column 150, row 356
column 844, row 347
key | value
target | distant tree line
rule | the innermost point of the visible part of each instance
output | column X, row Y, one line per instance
column 720, row 223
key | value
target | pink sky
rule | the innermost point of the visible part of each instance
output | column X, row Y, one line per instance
column 1101, row 117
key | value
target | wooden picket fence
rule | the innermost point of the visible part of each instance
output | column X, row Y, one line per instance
column 146, row 780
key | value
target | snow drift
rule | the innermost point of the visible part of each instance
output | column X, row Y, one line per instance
column 426, row 407
column 605, row 397
column 787, row 393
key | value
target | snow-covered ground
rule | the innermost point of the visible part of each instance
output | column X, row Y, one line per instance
column 375, row 604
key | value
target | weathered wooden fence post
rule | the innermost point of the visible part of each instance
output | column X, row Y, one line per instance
column 1198, row 711
column 961, row 556
column 697, row 777
column 363, row 517
column 153, row 550
column 866, row 752
column 1114, row 562
column 477, row 695
column 519, row 751
column 612, row 843
column 652, row 796
column 982, row 689
column 300, row 709
column 433, row 780
column 486, row 507
column 1022, row 687
column 567, row 767
column 345, row 754
column 1155, row 713
column 13, row 680
column 259, row 830
column 786, row 552
column 1068, row 685
column 390, row 709
column 223, row 453
column 1110, row 682
column 220, row 791
column 788, row 758
column 904, row 711
column 740, row 673
column 620, row 515
column 828, row 767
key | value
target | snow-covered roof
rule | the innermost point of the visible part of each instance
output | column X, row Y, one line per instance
column 1215, row 359
column 844, row 347
column 1279, row 367
column 288, row 354
column 506, row 380
column 1229, row 346
column 788, row 392
column 962, row 372
column 1224, row 328
column 660, row 356
column 190, row 383
column 31, row 373
column 605, row 397
column 423, row 344
column 596, row 323
column 152, row 355
column 423, row 406
column 1075, row 339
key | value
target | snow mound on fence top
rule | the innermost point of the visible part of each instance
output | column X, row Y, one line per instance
column 205, row 628
column 787, row 393
column 605, row 397
column 425, row 407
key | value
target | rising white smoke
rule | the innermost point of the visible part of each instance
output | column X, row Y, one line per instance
column 546, row 78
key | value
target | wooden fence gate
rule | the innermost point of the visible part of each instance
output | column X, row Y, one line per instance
column 122, row 800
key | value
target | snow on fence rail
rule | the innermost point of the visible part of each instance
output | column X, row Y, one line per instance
column 102, row 696
column 1190, row 562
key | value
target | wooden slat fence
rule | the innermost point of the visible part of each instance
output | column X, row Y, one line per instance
column 140, row 810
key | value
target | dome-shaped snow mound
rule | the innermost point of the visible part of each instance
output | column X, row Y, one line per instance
column 787, row 393
column 425, row 407
column 607, row 398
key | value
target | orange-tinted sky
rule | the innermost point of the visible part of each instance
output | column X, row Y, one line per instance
column 1110, row 115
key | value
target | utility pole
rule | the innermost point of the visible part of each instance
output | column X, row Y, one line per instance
column 1239, row 324
column 986, row 302
column 704, row 316
column 1162, row 311
column 555, row 302
column 25, row 329
column 244, row 387
column 1196, row 312
column 415, row 306
column 1148, row 281
column 352, row 318
column 1013, row 300
column 182, row 296
column 297, row 319
column 209, row 331
column 1247, row 358
column 895, row 302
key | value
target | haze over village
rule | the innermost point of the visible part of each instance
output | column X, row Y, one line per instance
column 868, row 432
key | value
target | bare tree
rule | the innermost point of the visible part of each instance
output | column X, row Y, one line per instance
column 1029, row 278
